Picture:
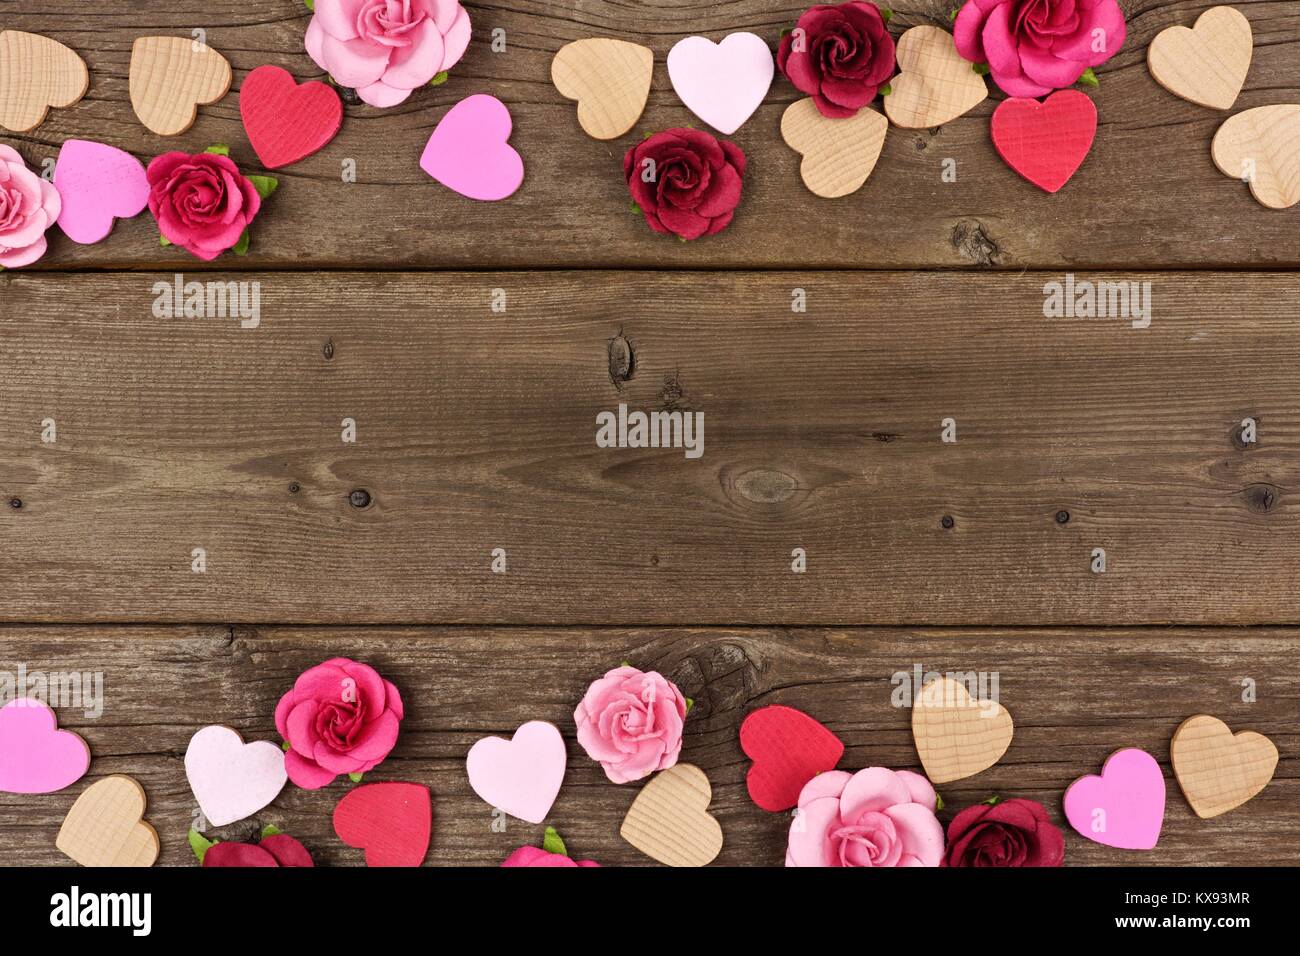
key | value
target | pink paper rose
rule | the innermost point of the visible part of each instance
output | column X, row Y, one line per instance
column 28, row 206
column 1035, row 46
column 386, row 48
column 201, row 202
column 875, row 817
column 631, row 722
column 340, row 717
column 534, row 856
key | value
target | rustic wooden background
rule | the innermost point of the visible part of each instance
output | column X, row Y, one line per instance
column 476, row 431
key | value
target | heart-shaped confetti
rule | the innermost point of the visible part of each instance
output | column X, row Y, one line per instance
column 1045, row 142
column 788, row 748
column 1262, row 147
column 106, row 826
column 171, row 77
column 838, row 154
column 957, row 736
column 286, row 122
column 609, row 78
column 1217, row 769
column 522, row 775
column 468, row 152
column 1124, row 807
column 231, row 779
column 392, row 822
column 1206, row 64
column 98, row 184
column 935, row 84
column 35, row 756
column 37, row 73
column 722, row 83
column 669, row 820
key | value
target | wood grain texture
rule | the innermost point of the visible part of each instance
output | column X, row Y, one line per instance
column 1149, row 195
column 1078, row 696
column 476, row 430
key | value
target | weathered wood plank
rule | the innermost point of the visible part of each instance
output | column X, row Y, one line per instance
column 1075, row 699
column 477, row 430
column 1149, row 195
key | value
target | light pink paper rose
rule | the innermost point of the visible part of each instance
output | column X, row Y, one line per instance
column 339, row 717
column 28, row 206
column 1035, row 46
column 875, row 817
column 631, row 722
column 386, row 48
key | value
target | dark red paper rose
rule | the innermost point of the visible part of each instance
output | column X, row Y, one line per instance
column 840, row 55
column 1011, row 833
column 685, row 182
column 278, row 849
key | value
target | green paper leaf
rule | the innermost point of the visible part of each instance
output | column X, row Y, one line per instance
column 163, row 240
column 286, row 746
column 355, row 777
column 552, row 843
column 439, row 79
column 887, row 89
column 628, row 663
column 241, row 247
column 886, row 14
column 953, row 16
column 689, row 704
column 636, row 209
column 1089, row 78
column 786, row 32
column 938, row 802
column 992, row 801
column 270, row 830
column 265, row 185
column 310, row 4
column 221, row 149
column 981, row 69
column 200, row 844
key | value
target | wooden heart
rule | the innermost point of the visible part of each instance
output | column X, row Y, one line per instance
column 105, row 827
column 934, row 84
column 838, row 154
column 1219, row 770
column 956, row 735
column 1262, row 146
column 37, row 73
column 669, row 819
column 609, row 78
column 1206, row 64
column 171, row 77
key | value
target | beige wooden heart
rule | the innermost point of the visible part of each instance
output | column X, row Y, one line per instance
column 37, row 73
column 171, row 77
column 838, row 154
column 1206, row 64
column 1262, row 147
column 669, row 819
column 957, row 736
column 609, row 78
column 934, row 84
column 1219, row 770
column 105, row 827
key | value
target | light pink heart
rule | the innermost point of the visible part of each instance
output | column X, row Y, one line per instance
column 468, row 151
column 722, row 83
column 1125, row 806
column 231, row 779
column 35, row 756
column 521, row 776
column 97, row 184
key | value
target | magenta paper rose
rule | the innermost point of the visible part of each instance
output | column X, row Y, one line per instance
column 386, row 48
column 1035, row 46
column 875, row 817
column 631, row 722
column 534, row 856
column 28, row 206
column 202, row 203
column 340, row 717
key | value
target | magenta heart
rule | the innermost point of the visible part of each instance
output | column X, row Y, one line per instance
column 97, row 184
column 35, row 756
column 1125, row 806
column 468, row 151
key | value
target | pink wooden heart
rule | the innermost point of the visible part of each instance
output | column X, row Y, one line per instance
column 231, row 779
column 468, row 151
column 35, row 756
column 721, row 83
column 521, row 776
column 1125, row 806
column 1045, row 142
column 97, row 184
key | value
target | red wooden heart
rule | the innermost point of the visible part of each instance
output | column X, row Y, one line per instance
column 1045, row 142
column 390, row 821
column 788, row 748
column 286, row 122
